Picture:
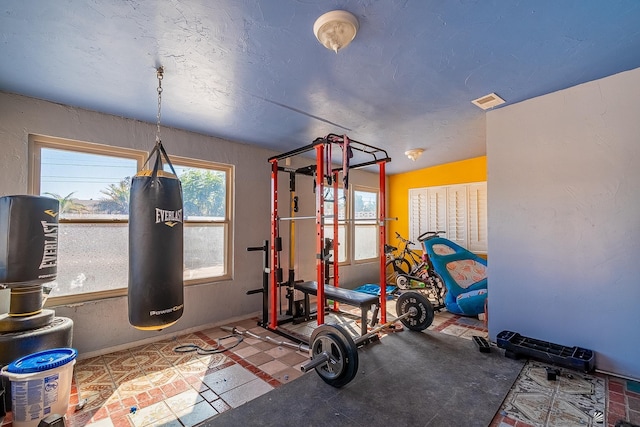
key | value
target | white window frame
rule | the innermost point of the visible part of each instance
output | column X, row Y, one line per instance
column 350, row 225
column 38, row 142
column 342, row 222
column 226, row 223
column 353, row 223
column 460, row 210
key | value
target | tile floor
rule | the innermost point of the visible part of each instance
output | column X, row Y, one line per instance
column 154, row 385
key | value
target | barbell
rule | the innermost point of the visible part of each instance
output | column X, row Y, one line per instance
column 334, row 352
column 298, row 218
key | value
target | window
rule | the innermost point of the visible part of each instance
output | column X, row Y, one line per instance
column 358, row 219
column 206, row 190
column 365, row 225
column 328, row 223
column 92, row 183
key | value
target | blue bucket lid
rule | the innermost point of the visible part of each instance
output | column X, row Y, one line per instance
column 42, row 361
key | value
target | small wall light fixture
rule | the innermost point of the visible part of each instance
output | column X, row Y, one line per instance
column 414, row 153
column 336, row 29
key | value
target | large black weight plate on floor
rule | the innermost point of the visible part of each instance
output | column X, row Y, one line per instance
column 333, row 328
column 337, row 342
column 424, row 316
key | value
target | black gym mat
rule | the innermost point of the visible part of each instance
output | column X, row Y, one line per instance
column 406, row 379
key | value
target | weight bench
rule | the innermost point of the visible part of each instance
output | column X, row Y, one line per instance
column 346, row 296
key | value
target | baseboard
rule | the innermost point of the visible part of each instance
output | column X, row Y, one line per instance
column 156, row 338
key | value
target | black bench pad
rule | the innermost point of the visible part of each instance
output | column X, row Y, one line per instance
column 346, row 296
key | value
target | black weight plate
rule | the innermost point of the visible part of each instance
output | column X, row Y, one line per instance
column 424, row 316
column 339, row 330
column 329, row 327
column 343, row 364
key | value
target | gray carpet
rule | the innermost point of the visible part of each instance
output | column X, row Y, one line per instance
column 406, row 379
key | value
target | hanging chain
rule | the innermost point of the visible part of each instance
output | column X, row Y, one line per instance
column 160, row 73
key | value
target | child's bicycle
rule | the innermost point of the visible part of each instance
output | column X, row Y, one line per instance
column 401, row 260
column 421, row 275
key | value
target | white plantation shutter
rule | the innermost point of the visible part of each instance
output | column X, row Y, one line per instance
column 478, row 217
column 460, row 210
column 417, row 212
column 437, row 209
column 457, row 214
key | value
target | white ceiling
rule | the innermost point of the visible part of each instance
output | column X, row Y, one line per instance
column 252, row 71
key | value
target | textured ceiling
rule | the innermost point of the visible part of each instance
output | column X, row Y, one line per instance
column 252, row 71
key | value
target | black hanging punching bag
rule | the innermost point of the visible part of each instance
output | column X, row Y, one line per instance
column 156, row 298
column 28, row 239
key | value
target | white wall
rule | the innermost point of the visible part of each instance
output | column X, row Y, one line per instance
column 564, row 219
column 103, row 324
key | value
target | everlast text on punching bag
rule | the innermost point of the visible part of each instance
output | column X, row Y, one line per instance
column 156, row 298
column 29, row 239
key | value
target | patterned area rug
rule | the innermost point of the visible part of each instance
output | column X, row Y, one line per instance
column 573, row 399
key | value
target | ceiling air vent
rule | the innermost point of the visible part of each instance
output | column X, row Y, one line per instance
column 488, row 101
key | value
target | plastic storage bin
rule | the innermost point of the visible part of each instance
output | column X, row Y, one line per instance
column 40, row 385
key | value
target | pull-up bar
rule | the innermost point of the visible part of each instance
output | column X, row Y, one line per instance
column 377, row 154
column 365, row 220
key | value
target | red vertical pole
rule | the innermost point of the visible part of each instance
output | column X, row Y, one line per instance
column 273, row 291
column 382, row 231
column 336, row 276
column 320, row 230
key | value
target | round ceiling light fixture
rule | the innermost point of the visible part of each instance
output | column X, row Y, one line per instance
column 336, row 29
column 414, row 153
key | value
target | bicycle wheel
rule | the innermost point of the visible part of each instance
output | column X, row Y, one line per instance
column 393, row 267
column 437, row 284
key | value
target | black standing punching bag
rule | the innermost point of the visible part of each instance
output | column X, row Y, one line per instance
column 28, row 239
column 156, row 298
